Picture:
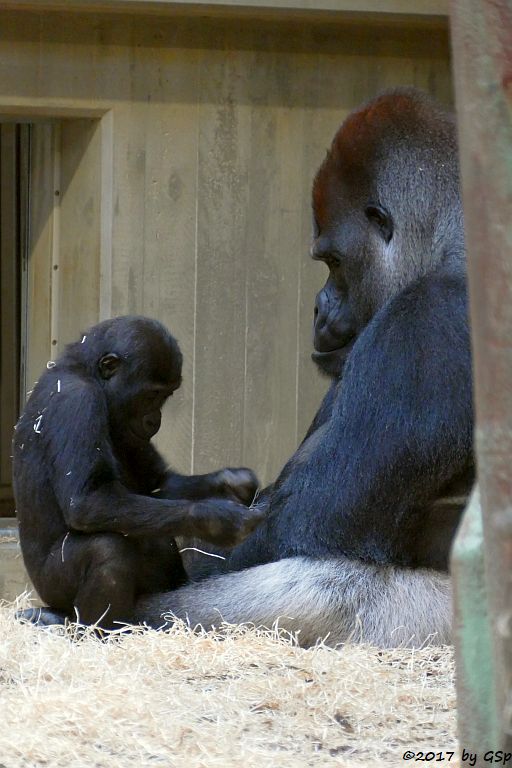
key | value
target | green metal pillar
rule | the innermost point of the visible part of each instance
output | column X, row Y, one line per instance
column 478, row 721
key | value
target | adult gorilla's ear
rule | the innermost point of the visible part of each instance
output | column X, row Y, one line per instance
column 379, row 216
column 108, row 365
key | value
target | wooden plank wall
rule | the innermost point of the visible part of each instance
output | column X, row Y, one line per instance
column 63, row 289
column 216, row 129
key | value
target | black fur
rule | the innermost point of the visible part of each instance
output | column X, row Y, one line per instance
column 95, row 532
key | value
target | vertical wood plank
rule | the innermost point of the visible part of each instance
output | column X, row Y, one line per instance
column 79, row 248
column 120, row 84
column 106, row 128
column 169, row 85
column 273, row 249
column 25, row 134
column 329, row 100
column 222, row 198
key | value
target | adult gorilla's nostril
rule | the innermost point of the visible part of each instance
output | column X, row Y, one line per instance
column 321, row 310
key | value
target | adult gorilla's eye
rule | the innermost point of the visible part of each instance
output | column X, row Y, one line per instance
column 379, row 216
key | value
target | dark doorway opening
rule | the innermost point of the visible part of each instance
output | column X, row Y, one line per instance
column 14, row 177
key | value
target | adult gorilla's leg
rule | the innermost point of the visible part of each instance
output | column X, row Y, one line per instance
column 337, row 599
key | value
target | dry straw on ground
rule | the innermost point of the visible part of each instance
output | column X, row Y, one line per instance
column 245, row 698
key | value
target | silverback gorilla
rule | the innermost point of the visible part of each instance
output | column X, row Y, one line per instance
column 359, row 523
column 97, row 506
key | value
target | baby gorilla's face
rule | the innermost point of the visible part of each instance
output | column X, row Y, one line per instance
column 139, row 369
column 144, row 413
column 135, row 410
column 136, row 391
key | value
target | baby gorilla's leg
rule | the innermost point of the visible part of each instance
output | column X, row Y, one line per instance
column 90, row 578
column 106, row 592
column 159, row 565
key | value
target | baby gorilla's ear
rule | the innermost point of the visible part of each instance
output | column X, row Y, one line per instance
column 108, row 365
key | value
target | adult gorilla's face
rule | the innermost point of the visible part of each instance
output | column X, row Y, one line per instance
column 352, row 236
column 352, row 249
column 385, row 203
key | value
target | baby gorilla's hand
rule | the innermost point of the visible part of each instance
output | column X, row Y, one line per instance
column 224, row 523
column 239, row 484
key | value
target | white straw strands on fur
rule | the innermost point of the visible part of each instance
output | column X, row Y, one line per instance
column 201, row 551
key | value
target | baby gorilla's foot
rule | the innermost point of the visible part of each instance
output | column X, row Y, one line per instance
column 47, row 617
column 41, row 617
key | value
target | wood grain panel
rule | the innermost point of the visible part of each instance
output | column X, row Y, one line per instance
column 169, row 84
column 19, row 55
column 273, row 249
column 67, row 56
column 224, row 152
column 202, row 169
column 79, row 248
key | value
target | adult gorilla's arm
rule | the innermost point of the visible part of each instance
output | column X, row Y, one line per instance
column 324, row 413
column 387, row 440
column 401, row 429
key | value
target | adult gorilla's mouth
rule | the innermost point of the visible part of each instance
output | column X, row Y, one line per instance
column 341, row 351
column 331, row 362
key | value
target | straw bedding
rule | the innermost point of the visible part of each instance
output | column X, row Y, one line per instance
column 243, row 698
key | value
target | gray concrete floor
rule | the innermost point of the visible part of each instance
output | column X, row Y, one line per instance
column 13, row 576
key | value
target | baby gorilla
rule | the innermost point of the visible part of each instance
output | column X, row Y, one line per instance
column 97, row 507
